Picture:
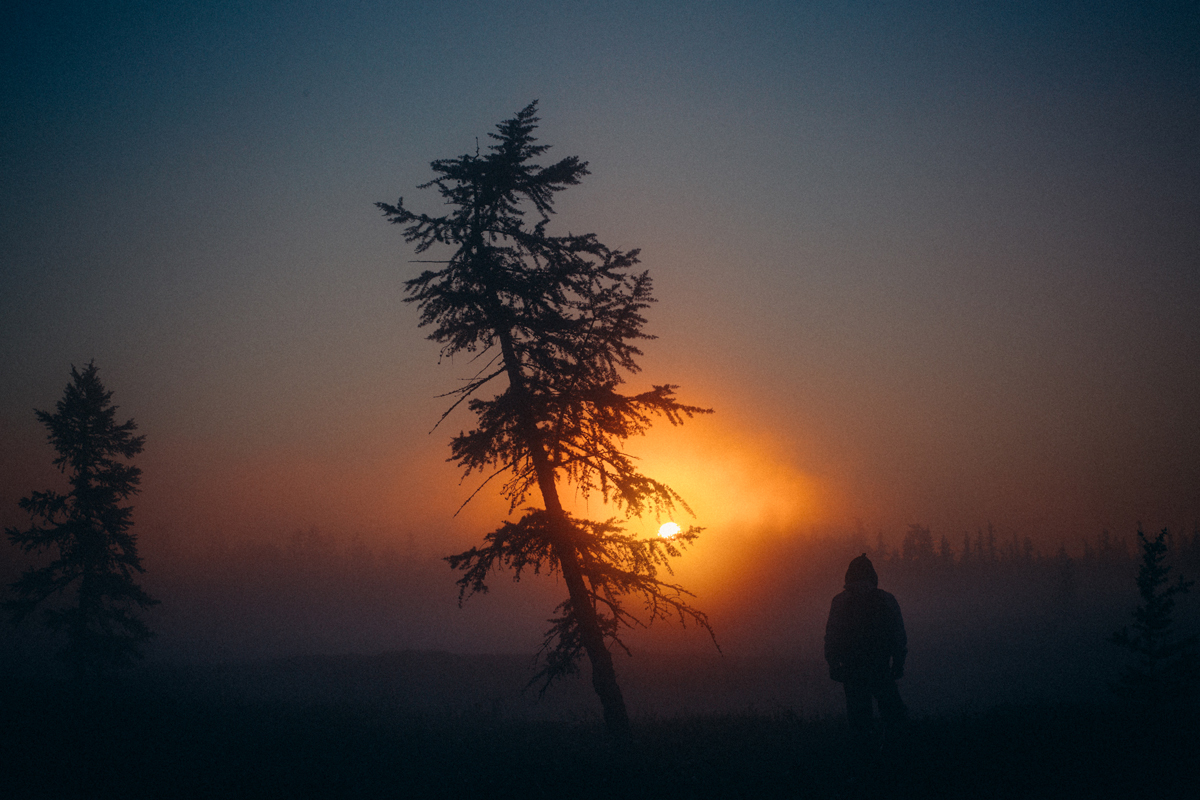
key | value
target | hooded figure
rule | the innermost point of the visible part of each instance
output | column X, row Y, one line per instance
column 865, row 646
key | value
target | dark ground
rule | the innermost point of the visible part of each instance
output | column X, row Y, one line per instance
column 285, row 729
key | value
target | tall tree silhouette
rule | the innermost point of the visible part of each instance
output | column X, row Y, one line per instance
column 89, row 530
column 555, row 320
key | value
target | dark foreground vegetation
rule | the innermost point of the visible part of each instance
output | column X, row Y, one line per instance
column 1009, row 685
column 183, row 732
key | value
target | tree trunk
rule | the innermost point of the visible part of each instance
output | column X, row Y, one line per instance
column 604, row 676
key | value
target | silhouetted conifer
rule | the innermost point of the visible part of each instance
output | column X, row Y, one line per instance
column 89, row 530
column 881, row 549
column 1189, row 552
column 918, row 544
column 945, row 552
column 1165, row 667
column 1012, row 551
column 1064, row 569
column 555, row 320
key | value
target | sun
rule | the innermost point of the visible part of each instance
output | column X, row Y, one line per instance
column 668, row 530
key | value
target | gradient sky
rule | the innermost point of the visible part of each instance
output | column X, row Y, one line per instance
column 929, row 263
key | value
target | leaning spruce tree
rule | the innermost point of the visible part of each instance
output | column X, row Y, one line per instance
column 89, row 529
column 555, row 321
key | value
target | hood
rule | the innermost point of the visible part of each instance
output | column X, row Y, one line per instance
column 861, row 569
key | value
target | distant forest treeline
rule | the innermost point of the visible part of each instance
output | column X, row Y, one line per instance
column 1000, row 621
column 986, row 548
column 323, row 550
column 349, row 569
column 316, row 575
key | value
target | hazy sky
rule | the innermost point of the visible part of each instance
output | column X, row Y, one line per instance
column 928, row 263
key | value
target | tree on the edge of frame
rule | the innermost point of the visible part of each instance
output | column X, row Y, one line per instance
column 554, row 321
column 1165, row 667
column 88, row 528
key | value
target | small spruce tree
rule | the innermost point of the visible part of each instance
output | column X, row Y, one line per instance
column 89, row 530
column 1165, row 666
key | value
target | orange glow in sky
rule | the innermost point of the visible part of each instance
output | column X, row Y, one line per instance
column 732, row 479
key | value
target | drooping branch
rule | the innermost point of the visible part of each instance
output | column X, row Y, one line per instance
column 616, row 565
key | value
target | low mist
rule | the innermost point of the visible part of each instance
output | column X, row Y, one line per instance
column 323, row 615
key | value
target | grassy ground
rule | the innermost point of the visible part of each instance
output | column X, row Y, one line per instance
column 58, row 743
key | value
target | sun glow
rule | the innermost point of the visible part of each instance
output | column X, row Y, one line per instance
column 668, row 530
column 736, row 481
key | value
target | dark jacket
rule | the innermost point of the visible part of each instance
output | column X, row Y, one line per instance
column 864, row 638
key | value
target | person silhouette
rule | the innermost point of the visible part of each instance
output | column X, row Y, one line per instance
column 866, row 646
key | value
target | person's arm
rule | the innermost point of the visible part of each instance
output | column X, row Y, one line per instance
column 834, row 637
